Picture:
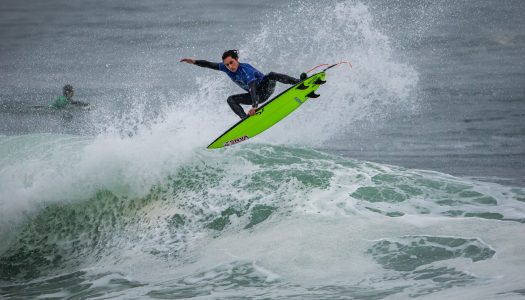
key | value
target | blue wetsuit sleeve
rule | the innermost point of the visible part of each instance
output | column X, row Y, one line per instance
column 207, row 64
column 253, row 93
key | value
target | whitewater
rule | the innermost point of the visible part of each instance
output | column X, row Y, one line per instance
column 371, row 191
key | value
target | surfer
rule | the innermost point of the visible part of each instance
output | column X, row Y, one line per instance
column 259, row 87
column 67, row 98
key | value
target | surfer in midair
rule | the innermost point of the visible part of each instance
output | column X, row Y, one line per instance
column 259, row 87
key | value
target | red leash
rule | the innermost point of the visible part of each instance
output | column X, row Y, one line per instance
column 330, row 66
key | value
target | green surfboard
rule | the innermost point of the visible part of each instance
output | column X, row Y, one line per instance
column 271, row 112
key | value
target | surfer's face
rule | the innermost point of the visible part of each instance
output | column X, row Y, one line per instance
column 231, row 64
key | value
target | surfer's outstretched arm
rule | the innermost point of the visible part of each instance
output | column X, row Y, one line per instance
column 201, row 63
column 79, row 103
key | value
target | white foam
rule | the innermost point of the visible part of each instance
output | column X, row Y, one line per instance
column 374, row 88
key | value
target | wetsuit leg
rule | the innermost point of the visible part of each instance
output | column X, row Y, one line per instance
column 265, row 89
column 282, row 78
column 235, row 102
column 267, row 86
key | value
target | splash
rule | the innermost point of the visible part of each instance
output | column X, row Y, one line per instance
column 306, row 35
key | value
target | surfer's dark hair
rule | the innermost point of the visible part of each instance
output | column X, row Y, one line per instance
column 233, row 53
column 67, row 88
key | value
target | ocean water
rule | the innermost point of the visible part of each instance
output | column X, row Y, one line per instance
column 405, row 179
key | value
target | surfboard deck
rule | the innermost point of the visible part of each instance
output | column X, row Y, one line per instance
column 273, row 111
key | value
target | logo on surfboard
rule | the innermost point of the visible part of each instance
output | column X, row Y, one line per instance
column 298, row 100
column 235, row 141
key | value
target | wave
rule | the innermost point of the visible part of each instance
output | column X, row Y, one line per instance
column 217, row 193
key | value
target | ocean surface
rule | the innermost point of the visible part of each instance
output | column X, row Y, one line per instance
column 405, row 179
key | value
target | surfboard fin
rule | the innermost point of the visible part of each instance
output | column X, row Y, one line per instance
column 319, row 81
column 313, row 95
column 302, row 86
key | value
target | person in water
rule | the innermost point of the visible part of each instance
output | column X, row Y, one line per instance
column 259, row 87
column 67, row 98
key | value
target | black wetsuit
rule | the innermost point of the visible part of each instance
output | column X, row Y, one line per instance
column 259, row 92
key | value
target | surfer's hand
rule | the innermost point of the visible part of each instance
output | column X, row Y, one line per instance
column 188, row 60
column 251, row 112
